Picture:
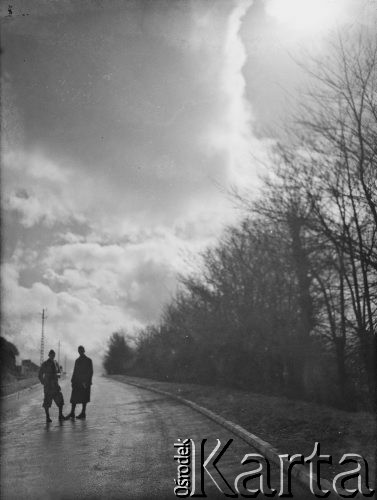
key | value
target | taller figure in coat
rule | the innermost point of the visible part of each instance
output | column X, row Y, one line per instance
column 81, row 382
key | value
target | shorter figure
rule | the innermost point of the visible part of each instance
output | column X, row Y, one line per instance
column 48, row 376
column 81, row 382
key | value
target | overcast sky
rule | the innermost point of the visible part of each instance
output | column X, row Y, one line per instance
column 124, row 125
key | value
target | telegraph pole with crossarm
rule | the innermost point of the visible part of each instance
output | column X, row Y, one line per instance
column 44, row 317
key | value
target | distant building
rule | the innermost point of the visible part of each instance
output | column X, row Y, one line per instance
column 28, row 368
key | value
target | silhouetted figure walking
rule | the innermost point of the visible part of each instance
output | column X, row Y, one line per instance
column 81, row 382
column 48, row 376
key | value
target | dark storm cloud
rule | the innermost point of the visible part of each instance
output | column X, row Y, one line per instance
column 109, row 93
column 125, row 124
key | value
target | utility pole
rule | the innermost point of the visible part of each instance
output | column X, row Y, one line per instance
column 65, row 364
column 44, row 317
column 59, row 354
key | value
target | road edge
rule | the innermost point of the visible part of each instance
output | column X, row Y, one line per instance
column 264, row 447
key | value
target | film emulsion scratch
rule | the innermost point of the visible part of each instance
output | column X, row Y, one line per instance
column 189, row 249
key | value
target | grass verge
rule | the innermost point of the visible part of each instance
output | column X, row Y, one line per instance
column 288, row 425
column 18, row 385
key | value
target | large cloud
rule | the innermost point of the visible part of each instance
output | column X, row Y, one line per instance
column 125, row 123
column 131, row 123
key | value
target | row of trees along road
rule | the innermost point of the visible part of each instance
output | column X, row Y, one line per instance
column 8, row 353
column 285, row 303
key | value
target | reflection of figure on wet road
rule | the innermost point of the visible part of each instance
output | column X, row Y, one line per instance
column 81, row 382
column 48, row 376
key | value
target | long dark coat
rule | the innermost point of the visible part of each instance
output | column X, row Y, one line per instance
column 81, row 380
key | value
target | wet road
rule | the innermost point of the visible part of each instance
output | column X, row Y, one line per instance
column 123, row 450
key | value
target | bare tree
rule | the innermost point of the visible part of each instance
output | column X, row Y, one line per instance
column 340, row 140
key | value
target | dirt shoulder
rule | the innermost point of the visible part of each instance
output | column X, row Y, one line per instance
column 289, row 426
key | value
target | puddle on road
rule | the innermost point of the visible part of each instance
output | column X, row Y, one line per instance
column 142, row 402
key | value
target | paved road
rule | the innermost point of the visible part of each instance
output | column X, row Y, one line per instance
column 124, row 449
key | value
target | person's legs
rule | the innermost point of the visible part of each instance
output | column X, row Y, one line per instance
column 73, row 409
column 73, row 400
column 48, row 419
column 59, row 400
column 82, row 414
column 47, row 400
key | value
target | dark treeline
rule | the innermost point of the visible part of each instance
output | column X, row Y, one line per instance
column 118, row 355
column 285, row 303
column 8, row 353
